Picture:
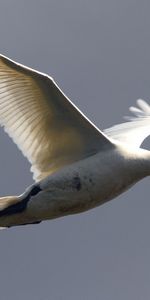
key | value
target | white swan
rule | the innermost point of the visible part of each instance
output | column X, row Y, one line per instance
column 76, row 167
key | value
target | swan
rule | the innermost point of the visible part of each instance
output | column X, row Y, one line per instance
column 75, row 166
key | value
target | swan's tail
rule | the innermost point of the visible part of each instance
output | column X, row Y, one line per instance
column 10, row 207
column 14, row 209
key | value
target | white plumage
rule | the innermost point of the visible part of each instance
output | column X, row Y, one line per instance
column 76, row 167
column 136, row 129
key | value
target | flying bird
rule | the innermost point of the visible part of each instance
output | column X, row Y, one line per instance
column 76, row 167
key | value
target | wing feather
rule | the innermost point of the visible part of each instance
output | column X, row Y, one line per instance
column 136, row 129
column 42, row 121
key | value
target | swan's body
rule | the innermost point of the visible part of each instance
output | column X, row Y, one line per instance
column 76, row 167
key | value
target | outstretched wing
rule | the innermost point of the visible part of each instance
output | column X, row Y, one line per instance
column 42, row 121
column 136, row 129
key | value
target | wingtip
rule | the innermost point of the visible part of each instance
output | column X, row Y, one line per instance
column 5, row 57
column 21, row 67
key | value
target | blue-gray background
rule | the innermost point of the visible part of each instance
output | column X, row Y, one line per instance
column 99, row 53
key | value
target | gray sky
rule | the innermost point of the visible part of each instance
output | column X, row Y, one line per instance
column 99, row 53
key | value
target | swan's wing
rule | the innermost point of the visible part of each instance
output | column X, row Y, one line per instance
column 136, row 129
column 46, row 126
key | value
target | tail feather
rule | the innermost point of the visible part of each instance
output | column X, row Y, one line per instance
column 5, row 202
column 10, row 205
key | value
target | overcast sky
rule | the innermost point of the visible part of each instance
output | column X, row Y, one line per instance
column 99, row 53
